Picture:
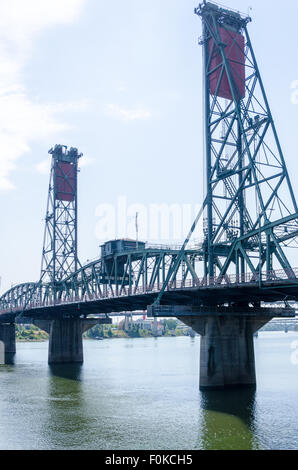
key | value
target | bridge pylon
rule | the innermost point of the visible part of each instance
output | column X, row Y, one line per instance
column 60, row 247
column 8, row 341
column 250, row 211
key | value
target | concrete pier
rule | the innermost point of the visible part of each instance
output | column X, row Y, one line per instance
column 227, row 340
column 66, row 338
column 2, row 353
column 66, row 342
column 227, row 349
column 8, row 338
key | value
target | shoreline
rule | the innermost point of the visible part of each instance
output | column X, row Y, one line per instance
column 44, row 340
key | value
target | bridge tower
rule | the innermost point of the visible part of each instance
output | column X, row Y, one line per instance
column 250, row 211
column 250, row 204
column 250, row 207
column 60, row 250
column 60, row 247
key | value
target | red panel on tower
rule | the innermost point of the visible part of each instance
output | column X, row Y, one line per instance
column 235, row 46
column 65, row 181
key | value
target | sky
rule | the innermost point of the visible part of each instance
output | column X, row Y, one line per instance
column 122, row 82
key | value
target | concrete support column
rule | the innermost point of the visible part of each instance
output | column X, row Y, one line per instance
column 66, row 342
column 227, row 349
column 227, row 353
column 8, row 337
column 2, row 353
column 66, row 338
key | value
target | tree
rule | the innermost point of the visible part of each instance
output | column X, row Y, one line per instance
column 110, row 333
column 171, row 324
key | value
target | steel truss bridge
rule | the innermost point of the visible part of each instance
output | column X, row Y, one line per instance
column 223, row 288
column 250, row 213
column 144, row 272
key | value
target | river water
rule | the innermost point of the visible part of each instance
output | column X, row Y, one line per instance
column 144, row 394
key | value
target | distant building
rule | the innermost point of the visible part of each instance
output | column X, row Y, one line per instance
column 148, row 325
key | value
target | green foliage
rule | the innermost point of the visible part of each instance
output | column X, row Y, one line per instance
column 179, row 332
column 145, row 333
column 167, row 332
column 134, row 332
column 30, row 333
column 96, row 332
column 33, row 333
column 110, row 333
column 170, row 324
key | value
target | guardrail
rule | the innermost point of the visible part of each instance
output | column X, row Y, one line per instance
column 273, row 277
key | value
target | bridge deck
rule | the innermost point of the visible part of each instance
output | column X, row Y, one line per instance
column 271, row 291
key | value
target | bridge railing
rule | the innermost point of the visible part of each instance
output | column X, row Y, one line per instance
column 271, row 277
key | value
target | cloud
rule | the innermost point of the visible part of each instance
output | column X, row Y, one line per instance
column 21, row 21
column 86, row 161
column 44, row 167
column 24, row 119
column 124, row 114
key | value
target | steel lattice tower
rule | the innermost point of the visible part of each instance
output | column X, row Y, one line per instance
column 60, row 248
column 250, row 207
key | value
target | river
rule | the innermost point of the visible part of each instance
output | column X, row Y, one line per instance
column 144, row 394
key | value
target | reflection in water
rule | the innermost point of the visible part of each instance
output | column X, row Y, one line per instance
column 10, row 358
column 143, row 394
column 66, row 371
column 65, row 419
column 228, row 419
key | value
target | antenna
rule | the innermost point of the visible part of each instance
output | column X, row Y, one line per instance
column 137, row 230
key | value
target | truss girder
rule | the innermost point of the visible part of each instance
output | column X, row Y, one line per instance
column 247, row 182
